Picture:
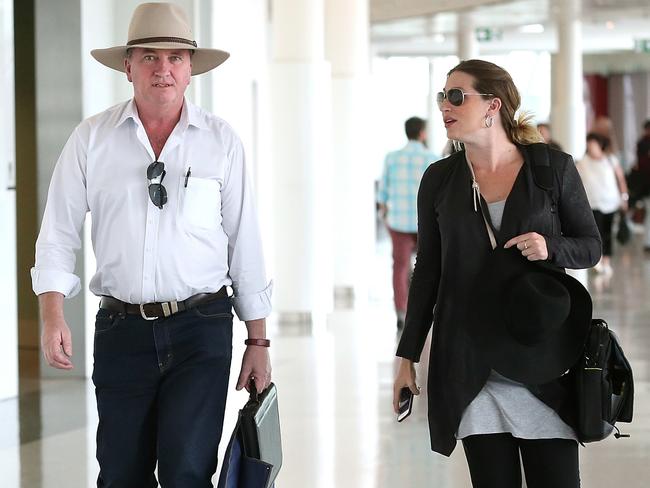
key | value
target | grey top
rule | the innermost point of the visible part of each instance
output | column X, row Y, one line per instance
column 505, row 406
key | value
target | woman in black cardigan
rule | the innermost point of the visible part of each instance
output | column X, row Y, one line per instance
column 478, row 108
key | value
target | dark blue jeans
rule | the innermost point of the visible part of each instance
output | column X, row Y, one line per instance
column 161, row 391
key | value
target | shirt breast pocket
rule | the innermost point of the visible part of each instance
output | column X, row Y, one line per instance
column 200, row 206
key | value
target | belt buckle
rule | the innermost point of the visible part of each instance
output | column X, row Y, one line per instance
column 144, row 315
column 168, row 308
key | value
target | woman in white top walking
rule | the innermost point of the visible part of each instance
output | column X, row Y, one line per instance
column 606, row 189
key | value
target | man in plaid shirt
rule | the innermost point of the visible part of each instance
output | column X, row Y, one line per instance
column 397, row 198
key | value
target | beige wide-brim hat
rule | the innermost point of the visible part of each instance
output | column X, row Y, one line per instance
column 161, row 26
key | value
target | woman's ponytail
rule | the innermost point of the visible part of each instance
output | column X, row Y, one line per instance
column 523, row 131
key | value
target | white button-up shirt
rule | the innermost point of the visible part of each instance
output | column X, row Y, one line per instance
column 206, row 235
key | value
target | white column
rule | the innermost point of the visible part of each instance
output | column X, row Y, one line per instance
column 9, row 329
column 202, row 29
column 352, row 192
column 300, row 121
column 433, row 113
column 568, row 108
column 467, row 45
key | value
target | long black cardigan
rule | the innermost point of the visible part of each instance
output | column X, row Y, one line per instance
column 453, row 245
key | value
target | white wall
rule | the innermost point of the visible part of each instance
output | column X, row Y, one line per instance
column 9, row 325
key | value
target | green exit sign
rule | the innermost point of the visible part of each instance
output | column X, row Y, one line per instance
column 642, row 45
column 486, row 34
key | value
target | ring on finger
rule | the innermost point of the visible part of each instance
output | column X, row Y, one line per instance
column 525, row 244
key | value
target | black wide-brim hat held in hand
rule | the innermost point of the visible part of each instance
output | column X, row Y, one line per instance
column 529, row 320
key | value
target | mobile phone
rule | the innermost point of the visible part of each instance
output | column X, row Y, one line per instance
column 405, row 403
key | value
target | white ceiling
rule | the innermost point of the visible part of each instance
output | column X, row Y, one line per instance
column 608, row 25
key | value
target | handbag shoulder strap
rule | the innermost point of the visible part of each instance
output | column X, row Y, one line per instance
column 541, row 164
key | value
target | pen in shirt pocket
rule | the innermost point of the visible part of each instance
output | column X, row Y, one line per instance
column 187, row 175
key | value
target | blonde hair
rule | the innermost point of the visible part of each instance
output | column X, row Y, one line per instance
column 493, row 79
column 524, row 131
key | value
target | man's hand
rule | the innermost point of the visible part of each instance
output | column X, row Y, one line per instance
column 624, row 207
column 383, row 210
column 56, row 342
column 256, row 364
column 56, row 339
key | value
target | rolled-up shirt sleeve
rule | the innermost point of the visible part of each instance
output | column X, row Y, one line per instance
column 63, row 219
column 252, row 292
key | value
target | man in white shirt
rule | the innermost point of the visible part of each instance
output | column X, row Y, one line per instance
column 173, row 224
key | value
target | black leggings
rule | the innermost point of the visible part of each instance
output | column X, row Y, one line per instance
column 604, row 222
column 493, row 461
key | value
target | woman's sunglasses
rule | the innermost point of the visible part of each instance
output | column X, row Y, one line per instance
column 455, row 96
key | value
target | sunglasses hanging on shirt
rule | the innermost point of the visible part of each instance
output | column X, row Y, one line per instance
column 456, row 96
column 157, row 192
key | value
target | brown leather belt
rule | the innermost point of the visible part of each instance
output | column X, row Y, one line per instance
column 153, row 311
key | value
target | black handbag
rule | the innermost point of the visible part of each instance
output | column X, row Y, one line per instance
column 254, row 454
column 604, row 385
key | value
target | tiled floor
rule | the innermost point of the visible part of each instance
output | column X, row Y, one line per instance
column 334, row 382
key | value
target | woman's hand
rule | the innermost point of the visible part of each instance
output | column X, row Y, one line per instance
column 532, row 246
column 624, row 205
column 405, row 377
